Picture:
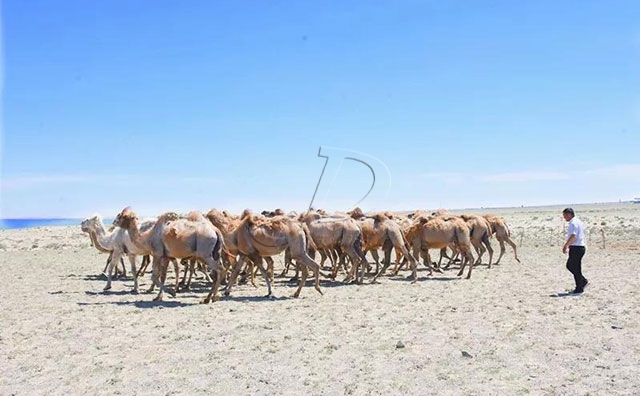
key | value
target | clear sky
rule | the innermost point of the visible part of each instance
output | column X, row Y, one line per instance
column 166, row 105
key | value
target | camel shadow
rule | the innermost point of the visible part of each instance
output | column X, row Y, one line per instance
column 99, row 277
column 424, row 278
column 142, row 304
column 109, row 293
column 292, row 283
column 255, row 298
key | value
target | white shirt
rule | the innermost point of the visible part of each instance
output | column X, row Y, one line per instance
column 577, row 228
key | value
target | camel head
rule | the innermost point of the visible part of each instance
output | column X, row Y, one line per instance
column 91, row 224
column 168, row 216
column 309, row 216
column 356, row 213
column 124, row 218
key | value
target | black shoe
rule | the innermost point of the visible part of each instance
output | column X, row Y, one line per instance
column 586, row 282
column 577, row 291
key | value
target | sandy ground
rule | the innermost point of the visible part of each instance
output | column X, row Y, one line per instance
column 509, row 330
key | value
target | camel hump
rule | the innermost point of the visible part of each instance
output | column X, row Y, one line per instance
column 379, row 217
column 172, row 232
column 246, row 214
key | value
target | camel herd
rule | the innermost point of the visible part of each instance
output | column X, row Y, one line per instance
column 222, row 246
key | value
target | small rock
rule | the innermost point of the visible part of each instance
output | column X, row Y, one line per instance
column 466, row 354
column 399, row 345
column 616, row 327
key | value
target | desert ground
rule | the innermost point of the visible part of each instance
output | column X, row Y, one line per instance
column 509, row 330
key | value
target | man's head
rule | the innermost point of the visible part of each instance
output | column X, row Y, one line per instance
column 568, row 214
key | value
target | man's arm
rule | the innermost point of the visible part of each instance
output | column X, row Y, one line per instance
column 571, row 239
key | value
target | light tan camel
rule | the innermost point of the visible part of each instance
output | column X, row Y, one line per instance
column 118, row 242
column 500, row 228
column 173, row 236
column 337, row 232
column 434, row 232
column 94, row 243
column 257, row 237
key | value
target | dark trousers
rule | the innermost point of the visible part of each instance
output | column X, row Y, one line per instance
column 574, row 265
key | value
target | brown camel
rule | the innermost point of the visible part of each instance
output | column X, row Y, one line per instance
column 500, row 228
column 173, row 236
column 337, row 232
column 379, row 231
column 435, row 232
column 257, row 237
column 480, row 234
column 227, row 223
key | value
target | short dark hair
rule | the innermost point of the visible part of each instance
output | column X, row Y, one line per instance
column 569, row 211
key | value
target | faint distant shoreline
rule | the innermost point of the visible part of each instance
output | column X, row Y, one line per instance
column 13, row 224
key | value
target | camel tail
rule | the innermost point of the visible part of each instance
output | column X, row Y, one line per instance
column 218, row 246
column 311, row 245
column 358, row 248
column 405, row 240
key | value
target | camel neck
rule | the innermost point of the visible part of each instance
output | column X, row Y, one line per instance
column 102, row 238
column 140, row 239
column 96, row 243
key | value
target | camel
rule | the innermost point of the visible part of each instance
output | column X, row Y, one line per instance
column 227, row 224
column 257, row 237
column 435, row 232
column 173, row 236
column 337, row 232
column 94, row 243
column 118, row 242
column 379, row 231
column 500, row 228
column 480, row 232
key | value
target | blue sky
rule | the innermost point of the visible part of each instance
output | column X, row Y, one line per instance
column 191, row 105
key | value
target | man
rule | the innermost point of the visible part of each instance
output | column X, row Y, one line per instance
column 577, row 248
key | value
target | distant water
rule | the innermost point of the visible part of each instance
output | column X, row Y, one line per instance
column 11, row 224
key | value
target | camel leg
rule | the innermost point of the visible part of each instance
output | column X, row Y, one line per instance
column 115, row 259
column 258, row 261
column 302, row 279
column 376, row 258
column 287, row 262
column 124, row 269
column 157, row 275
column 323, row 257
column 513, row 246
column 270, row 266
column 502, row 249
column 132, row 261
column 333, row 256
column 305, row 263
column 234, row 274
column 400, row 255
column 487, row 247
column 477, row 246
column 106, row 265
column 216, row 271
column 468, row 258
column 143, row 266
